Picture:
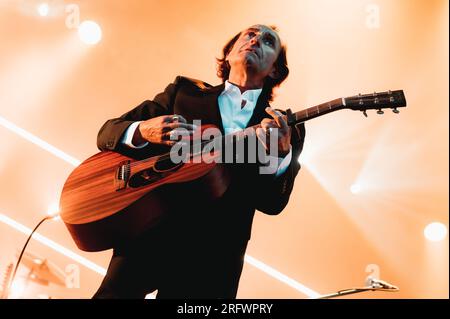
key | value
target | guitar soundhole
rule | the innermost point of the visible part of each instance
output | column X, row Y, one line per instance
column 143, row 178
column 161, row 169
column 165, row 165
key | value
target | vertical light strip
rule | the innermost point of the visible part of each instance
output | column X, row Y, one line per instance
column 281, row 277
column 37, row 141
column 50, row 243
column 89, row 264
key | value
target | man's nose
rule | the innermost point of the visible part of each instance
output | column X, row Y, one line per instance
column 255, row 41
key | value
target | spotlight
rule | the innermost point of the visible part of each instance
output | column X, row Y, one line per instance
column 43, row 9
column 355, row 188
column 17, row 289
column 53, row 211
column 90, row 32
column 435, row 231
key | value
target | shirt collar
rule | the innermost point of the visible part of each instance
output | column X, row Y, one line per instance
column 249, row 95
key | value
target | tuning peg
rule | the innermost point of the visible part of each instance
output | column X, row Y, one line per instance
column 365, row 113
column 395, row 110
column 380, row 112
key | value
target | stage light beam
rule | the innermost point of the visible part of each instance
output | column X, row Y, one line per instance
column 39, row 142
column 281, row 277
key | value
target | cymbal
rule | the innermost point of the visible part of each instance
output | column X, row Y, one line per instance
column 43, row 271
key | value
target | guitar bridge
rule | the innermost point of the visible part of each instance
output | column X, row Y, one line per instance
column 122, row 176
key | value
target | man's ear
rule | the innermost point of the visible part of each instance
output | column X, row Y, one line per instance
column 227, row 58
column 274, row 74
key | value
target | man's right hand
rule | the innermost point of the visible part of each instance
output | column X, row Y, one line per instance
column 158, row 130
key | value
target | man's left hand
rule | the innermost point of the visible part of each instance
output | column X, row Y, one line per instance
column 284, row 131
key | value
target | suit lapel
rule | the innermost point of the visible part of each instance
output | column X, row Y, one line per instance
column 211, row 100
column 259, row 112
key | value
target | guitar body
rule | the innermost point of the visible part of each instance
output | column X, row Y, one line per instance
column 100, row 210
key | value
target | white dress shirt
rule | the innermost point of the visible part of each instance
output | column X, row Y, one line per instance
column 235, row 117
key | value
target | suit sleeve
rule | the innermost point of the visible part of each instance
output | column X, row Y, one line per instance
column 110, row 134
column 272, row 193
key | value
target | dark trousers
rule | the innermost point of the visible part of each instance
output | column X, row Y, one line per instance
column 189, row 270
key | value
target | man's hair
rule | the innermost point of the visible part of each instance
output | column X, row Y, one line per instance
column 223, row 67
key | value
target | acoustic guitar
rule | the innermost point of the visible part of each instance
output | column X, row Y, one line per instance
column 110, row 197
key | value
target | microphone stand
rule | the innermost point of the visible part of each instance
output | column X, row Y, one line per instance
column 356, row 290
column 7, row 289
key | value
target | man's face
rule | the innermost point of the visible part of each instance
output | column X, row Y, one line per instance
column 256, row 51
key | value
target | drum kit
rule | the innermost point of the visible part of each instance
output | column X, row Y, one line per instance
column 39, row 271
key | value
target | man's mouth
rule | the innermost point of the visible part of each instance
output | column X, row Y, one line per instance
column 253, row 51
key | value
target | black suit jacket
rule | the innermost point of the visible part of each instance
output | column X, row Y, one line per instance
column 229, row 219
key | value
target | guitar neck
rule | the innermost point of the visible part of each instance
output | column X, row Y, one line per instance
column 318, row 110
column 305, row 115
column 374, row 101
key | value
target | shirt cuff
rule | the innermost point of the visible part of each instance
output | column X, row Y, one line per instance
column 127, row 138
column 283, row 163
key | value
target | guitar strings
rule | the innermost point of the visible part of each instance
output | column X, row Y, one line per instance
column 167, row 155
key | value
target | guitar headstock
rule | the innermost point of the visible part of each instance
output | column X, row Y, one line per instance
column 376, row 101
